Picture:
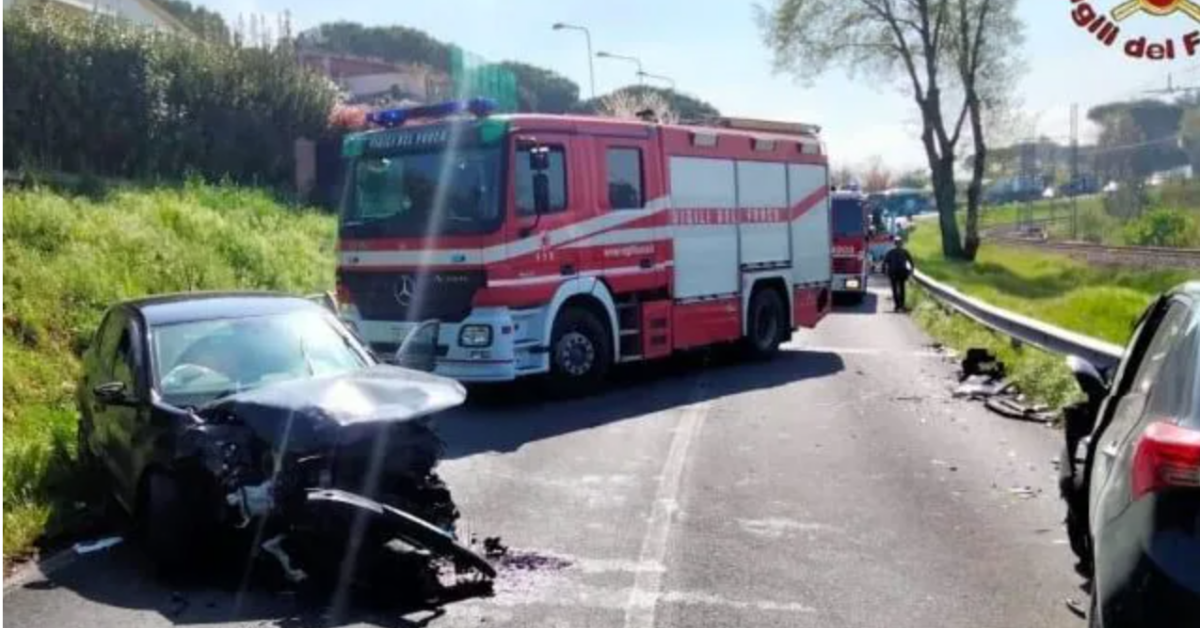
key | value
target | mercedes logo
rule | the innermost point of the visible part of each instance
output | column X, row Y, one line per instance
column 404, row 290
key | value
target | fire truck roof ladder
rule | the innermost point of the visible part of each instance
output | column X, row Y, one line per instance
column 768, row 126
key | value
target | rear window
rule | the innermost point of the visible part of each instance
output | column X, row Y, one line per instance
column 1173, row 393
column 848, row 217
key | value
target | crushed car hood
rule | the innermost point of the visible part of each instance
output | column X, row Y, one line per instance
column 308, row 414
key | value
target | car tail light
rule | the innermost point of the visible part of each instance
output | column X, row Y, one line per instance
column 1167, row 456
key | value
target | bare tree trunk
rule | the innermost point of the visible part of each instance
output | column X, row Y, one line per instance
column 975, row 190
column 945, row 191
column 941, row 168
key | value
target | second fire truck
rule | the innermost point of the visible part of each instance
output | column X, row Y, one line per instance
column 535, row 244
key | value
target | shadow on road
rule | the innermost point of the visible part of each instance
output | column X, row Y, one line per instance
column 121, row 578
column 845, row 305
column 502, row 419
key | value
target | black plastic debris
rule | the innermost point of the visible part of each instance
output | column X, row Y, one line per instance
column 493, row 547
column 981, row 362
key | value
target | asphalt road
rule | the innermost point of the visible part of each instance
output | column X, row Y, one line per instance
column 838, row 485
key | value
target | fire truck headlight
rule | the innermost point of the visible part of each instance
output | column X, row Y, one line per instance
column 475, row 336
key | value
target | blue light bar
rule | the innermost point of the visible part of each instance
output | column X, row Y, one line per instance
column 478, row 107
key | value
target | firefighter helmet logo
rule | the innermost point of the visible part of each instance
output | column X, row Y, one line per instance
column 404, row 290
column 1109, row 27
column 1156, row 7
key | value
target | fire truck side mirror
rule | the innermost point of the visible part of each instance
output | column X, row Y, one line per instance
column 541, row 193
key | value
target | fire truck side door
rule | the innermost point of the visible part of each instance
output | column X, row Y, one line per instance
column 537, row 243
column 629, row 190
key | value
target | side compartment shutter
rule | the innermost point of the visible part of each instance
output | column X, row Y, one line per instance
column 762, row 201
column 704, row 200
column 808, row 199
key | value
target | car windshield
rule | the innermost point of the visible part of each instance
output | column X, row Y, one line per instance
column 848, row 217
column 445, row 192
column 199, row 361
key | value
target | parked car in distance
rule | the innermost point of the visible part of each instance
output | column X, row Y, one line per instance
column 1130, row 473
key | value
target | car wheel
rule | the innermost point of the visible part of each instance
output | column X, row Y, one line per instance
column 580, row 352
column 169, row 529
column 766, row 326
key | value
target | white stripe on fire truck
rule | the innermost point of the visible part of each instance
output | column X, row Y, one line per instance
column 605, row 272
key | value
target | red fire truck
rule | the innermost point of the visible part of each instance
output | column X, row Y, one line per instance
column 851, row 232
column 541, row 244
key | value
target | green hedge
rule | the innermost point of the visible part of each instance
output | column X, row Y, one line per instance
column 98, row 95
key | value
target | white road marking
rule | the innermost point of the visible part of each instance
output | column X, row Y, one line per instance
column 778, row 527
column 647, row 585
column 864, row 351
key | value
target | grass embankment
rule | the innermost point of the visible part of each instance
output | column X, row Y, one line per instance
column 67, row 257
column 1102, row 302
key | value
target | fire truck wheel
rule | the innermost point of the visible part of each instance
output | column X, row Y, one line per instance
column 766, row 325
column 580, row 352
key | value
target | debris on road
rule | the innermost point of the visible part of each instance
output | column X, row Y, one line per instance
column 981, row 362
column 98, row 545
column 1026, row 492
column 982, row 379
column 1011, row 407
column 1076, row 607
column 493, row 547
column 981, row 387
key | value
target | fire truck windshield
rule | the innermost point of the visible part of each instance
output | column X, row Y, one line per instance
column 454, row 191
column 848, row 217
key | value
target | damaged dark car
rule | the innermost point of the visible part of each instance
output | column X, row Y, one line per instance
column 261, row 416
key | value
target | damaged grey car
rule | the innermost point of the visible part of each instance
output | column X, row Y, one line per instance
column 218, row 415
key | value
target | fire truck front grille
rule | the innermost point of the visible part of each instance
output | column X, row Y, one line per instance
column 847, row 265
column 412, row 296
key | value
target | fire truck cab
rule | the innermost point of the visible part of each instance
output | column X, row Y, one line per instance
column 541, row 244
column 851, row 219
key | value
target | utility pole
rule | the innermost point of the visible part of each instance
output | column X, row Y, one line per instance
column 558, row 26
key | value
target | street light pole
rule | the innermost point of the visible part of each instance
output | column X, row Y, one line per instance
column 608, row 55
column 659, row 77
column 558, row 26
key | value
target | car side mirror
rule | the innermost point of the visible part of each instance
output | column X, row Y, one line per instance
column 112, row 393
column 541, row 193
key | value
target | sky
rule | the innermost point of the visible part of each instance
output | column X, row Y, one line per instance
column 713, row 50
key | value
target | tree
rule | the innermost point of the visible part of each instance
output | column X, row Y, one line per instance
column 687, row 108
column 542, row 90
column 950, row 53
column 205, row 24
column 1189, row 132
column 916, row 179
column 841, row 176
column 396, row 44
column 876, row 175
column 631, row 105
column 1153, row 128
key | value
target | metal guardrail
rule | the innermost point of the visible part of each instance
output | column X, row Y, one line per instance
column 1044, row 336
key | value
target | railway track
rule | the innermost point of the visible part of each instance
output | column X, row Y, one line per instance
column 1137, row 256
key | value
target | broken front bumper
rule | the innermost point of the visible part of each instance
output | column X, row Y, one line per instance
column 352, row 522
